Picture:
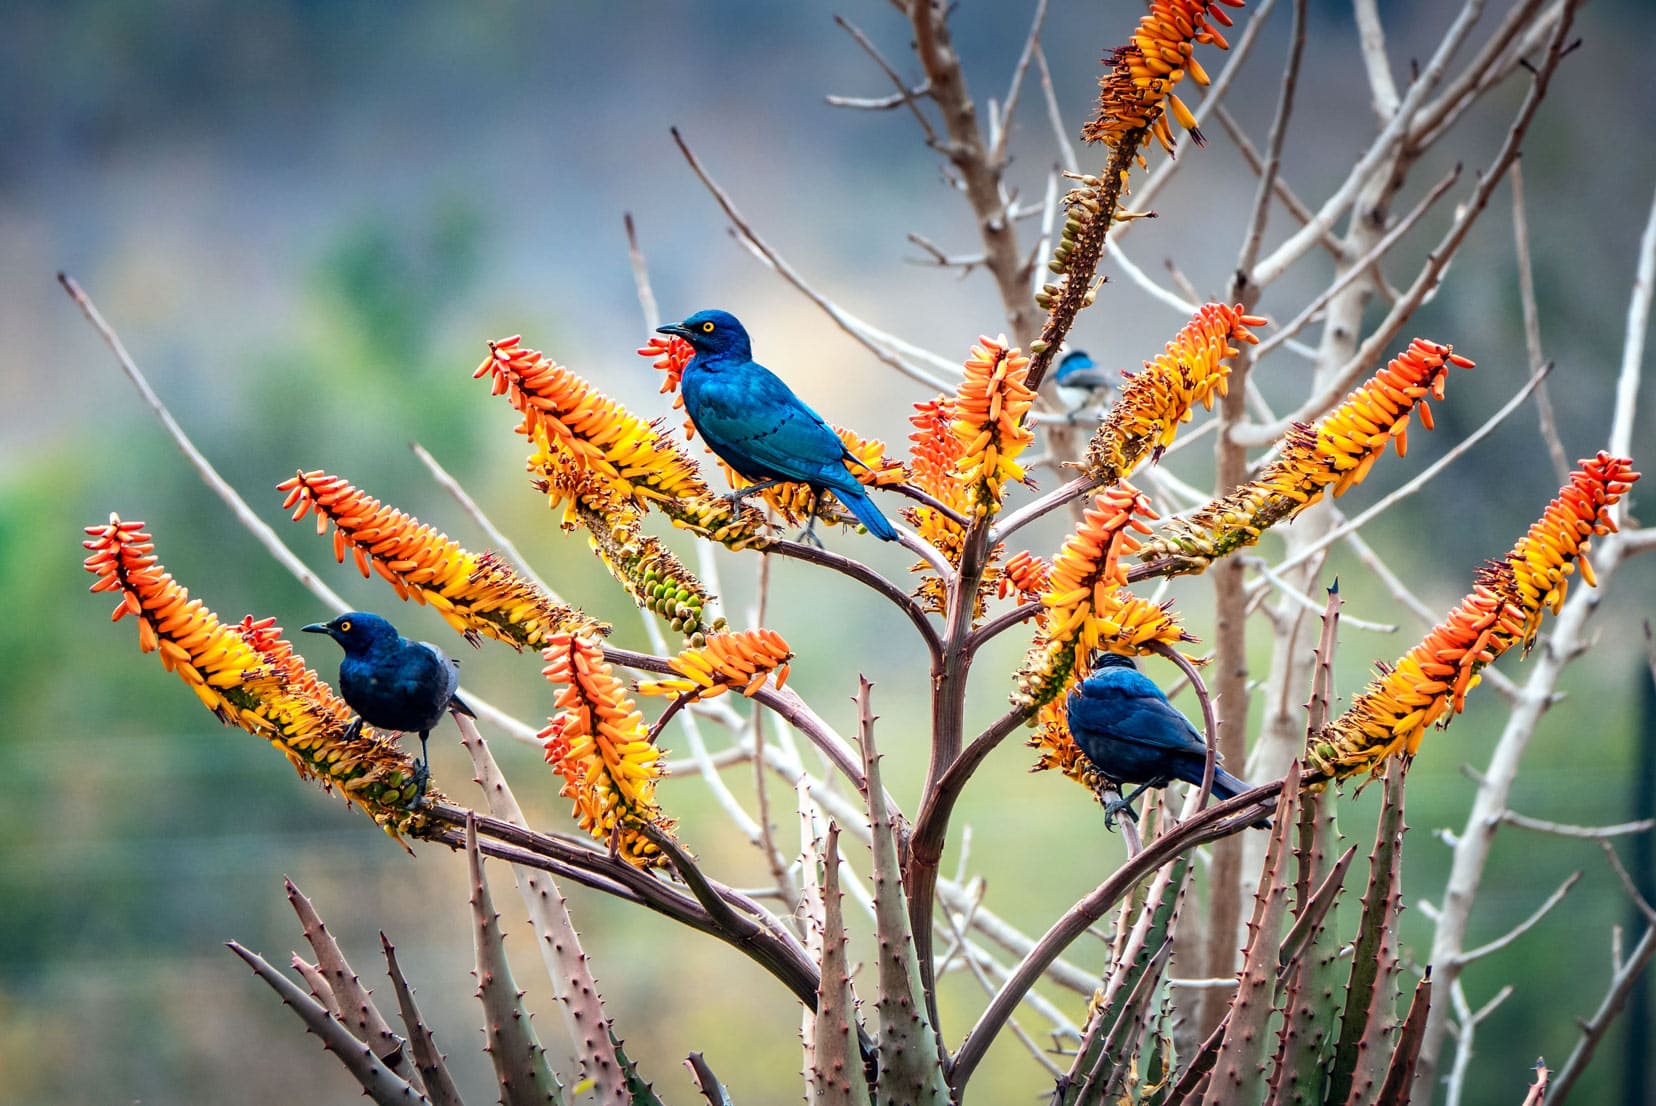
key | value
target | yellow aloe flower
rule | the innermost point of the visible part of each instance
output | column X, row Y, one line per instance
column 990, row 411
column 934, row 466
column 1428, row 684
column 1088, row 605
column 740, row 660
column 598, row 434
column 1136, row 92
column 601, row 747
column 248, row 676
column 1338, row 452
column 480, row 595
column 1191, row 369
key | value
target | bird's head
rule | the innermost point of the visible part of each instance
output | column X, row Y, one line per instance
column 356, row 631
column 1113, row 660
column 713, row 332
column 1074, row 362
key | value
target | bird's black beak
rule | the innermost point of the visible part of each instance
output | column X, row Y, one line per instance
column 678, row 329
column 318, row 628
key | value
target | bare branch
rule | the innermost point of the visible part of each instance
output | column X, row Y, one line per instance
column 904, row 95
column 1522, row 927
column 997, row 155
column 875, row 341
column 1055, row 115
column 1563, row 829
column 1532, row 327
column 1593, row 1031
column 1372, row 40
column 1278, row 134
column 1363, row 265
column 641, row 276
column 1380, row 150
column 1633, row 344
column 1427, row 280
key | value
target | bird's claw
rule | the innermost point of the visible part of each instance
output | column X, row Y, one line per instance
column 354, row 730
column 1117, row 807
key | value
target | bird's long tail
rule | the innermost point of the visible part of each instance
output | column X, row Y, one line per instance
column 1227, row 786
column 857, row 501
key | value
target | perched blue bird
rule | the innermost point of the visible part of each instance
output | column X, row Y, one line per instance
column 758, row 427
column 1132, row 734
column 1083, row 383
column 393, row 683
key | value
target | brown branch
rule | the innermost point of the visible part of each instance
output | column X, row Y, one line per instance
column 1219, row 820
column 979, row 169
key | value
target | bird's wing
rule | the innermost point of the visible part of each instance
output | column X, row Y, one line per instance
column 1130, row 707
column 756, row 423
column 447, row 668
column 1094, row 376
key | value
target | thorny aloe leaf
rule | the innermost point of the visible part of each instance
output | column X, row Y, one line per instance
column 1239, row 1071
column 1371, row 998
column 526, row 1078
column 911, row 1073
column 1395, row 1090
column 560, row 945
column 379, row 1082
column 351, row 1001
column 1104, row 1048
column 428, row 1061
column 836, row 1079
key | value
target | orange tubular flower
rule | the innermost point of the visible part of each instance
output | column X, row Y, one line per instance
column 740, row 660
column 249, row 677
column 1088, row 605
column 934, row 465
column 1137, row 90
column 480, row 595
column 1190, row 370
column 1026, row 576
column 596, row 433
column 1429, row 683
column 1337, row 452
column 991, row 408
column 600, row 746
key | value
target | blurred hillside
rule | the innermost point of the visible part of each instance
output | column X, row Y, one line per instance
column 306, row 220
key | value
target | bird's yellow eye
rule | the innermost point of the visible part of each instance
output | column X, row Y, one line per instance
column 707, row 328
column 345, row 627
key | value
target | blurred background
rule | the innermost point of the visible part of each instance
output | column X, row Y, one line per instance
column 307, row 219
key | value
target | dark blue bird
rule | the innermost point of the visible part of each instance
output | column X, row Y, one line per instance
column 393, row 683
column 758, row 427
column 1132, row 734
column 1083, row 383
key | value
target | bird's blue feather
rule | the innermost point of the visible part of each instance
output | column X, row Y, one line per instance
column 756, row 424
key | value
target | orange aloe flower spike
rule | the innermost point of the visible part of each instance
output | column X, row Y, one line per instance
column 1428, row 684
column 250, row 677
column 1335, row 453
column 600, row 746
column 480, row 595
